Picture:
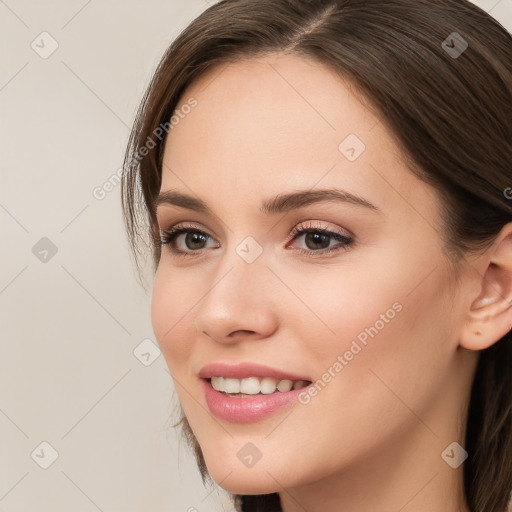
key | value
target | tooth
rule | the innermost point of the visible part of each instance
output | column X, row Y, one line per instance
column 250, row 386
column 217, row 383
column 285, row 385
column 254, row 385
column 231, row 386
column 268, row 385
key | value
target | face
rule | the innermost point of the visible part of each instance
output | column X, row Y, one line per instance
column 346, row 294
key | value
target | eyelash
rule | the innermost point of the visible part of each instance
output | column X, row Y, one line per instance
column 168, row 238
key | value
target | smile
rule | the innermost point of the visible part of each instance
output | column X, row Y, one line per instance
column 254, row 385
column 249, row 392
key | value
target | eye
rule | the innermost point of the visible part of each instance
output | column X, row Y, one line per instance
column 193, row 239
column 319, row 240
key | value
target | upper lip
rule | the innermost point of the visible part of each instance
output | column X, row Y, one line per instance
column 245, row 370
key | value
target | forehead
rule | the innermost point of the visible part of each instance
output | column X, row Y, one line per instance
column 277, row 123
column 276, row 103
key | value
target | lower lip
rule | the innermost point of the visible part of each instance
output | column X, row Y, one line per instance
column 247, row 409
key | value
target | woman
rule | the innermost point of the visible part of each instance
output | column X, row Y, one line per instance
column 327, row 189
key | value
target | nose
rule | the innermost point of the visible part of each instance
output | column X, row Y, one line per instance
column 238, row 303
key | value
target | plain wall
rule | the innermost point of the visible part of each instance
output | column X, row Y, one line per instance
column 71, row 311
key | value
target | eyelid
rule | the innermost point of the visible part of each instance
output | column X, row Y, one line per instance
column 298, row 226
column 308, row 225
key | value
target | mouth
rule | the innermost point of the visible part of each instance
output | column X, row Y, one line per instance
column 248, row 392
column 250, row 399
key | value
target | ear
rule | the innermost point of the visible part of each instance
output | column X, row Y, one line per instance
column 489, row 316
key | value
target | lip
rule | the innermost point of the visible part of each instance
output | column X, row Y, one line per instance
column 245, row 370
column 250, row 409
column 253, row 407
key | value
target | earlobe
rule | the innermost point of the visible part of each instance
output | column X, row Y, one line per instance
column 489, row 317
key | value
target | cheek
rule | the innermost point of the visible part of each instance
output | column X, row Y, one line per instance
column 335, row 307
column 172, row 303
column 395, row 345
column 386, row 319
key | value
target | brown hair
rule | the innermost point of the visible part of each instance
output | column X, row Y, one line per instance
column 450, row 109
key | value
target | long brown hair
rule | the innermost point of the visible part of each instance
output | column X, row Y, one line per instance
column 440, row 74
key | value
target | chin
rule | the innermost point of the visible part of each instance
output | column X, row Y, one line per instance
column 244, row 481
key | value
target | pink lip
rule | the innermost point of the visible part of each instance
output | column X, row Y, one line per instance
column 245, row 370
column 251, row 408
column 246, row 410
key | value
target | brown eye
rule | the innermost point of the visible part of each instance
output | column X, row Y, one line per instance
column 193, row 240
column 318, row 240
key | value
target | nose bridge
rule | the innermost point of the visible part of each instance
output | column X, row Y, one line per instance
column 237, row 295
column 239, row 275
column 241, row 269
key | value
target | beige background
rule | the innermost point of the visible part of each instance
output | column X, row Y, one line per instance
column 72, row 319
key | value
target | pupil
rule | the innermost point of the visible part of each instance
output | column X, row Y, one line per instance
column 195, row 238
column 317, row 238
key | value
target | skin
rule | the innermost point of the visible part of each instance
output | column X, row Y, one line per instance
column 372, row 438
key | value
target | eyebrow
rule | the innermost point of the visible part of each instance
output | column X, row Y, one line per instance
column 279, row 204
